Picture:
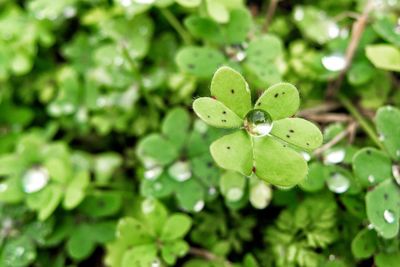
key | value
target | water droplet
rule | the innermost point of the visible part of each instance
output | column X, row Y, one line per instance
column 234, row 194
column 35, row 179
column 198, row 206
column 212, row 191
column 306, row 156
column 389, row 216
column 82, row 115
column 156, row 263
column 19, row 251
column 68, row 108
column 370, row 226
column 371, row 178
column 335, row 156
column 333, row 30
column 334, row 62
column 299, row 14
column 396, row 173
column 240, row 56
column 148, row 206
column 3, row 187
column 153, row 173
column 69, row 12
column 126, row 3
column 260, row 195
column 180, row 171
column 332, row 257
column 338, row 183
column 381, row 137
column 200, row 126
column 258, row 122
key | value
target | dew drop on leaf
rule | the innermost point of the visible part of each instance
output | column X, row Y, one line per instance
column 180, row 171
column 333, row 30
column 371, row 178
column 212, row 191
column 334, row 156
column 153, row 173
column 395, row 173
column 334, row 62
column 299, row 14
column 3, row 187
column 388, row 215
column 198, row 206
column 258, row 122
column 35, row 179
column 306, row 156
column 155, row 263
column 338, row 183
column 234, row 194
column 148, row 206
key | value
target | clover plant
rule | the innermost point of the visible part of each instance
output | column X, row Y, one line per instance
column 152, row 237
column 177, row 162
column 265, row 136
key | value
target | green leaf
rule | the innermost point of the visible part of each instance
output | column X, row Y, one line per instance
column 58, row 169
column 140, row 256
column 174, row 249
column 386, row 28
column 199, row 61
column 18, row 252
column 176, row 126
column 101, row 232
column 383, row 210
column 154, row 214
column 298, row 132
column 190, row 195
column 11, row 191
column 364, row 244
column 229, row 87
column 75, row 191
column 384, row 56
column 238, row 26
column 263, row 49
column 387, row 119
column 315, row 181
column 101, row 204
column 372, row 166
column 131, row 232
column 233, row 152
column 217, row 11
column 80, row 247
column 215, row 113
column 277, row 164
column 9, row 164
column 156, row 149
column 232, row 186
column 176, row 226
column 280, row 101
column 387, row 259
column 189, row 3
column 45, row 201
column 204, row 28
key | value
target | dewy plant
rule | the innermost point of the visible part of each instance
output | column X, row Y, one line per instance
column 267, row 141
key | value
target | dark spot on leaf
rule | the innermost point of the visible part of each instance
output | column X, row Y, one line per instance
column 283, row 93
column 209, row 164
column 232, row 91
column 288, row 136
column 228, row 147
column 191, row 66
column 307, row 144
column 224, row 112
column 208, row 116
column 292, row 131
column 254, row 169
column 213, row 97
column 223, row 120
column 369, row 152
column 386, row 196
column 259, row 104
column 276, row 95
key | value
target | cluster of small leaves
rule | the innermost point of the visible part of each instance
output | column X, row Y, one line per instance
column 98, row 139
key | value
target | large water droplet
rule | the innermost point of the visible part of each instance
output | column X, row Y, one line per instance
column 240, row 56
column 153, row 173
column 306, row 155
column 371, row 178
column 333, row 30
column 335, row 156
column 35, row 179
column 338, row 183
column 258, row 122
column 334, row 62
column 388, row 215
column 180, row 171
column 234, row 194
column 198, row 206
column 3, row 187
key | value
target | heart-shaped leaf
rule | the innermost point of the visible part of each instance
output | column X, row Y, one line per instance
column 364, row 244
column 154, row 149
column 277, row 164
column 234, row 152
column 298, row 132
column 229, row 87
column 280, row 101
column 215, row 113
column 372, row 166
column 176, row 226
column 176, row 125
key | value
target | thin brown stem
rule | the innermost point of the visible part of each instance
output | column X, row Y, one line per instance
column 356, row 34
column 270, row 14
column 325, row 107
column 205, row 254
column 328, row 117
column 349, row 131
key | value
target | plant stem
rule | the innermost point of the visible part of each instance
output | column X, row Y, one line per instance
column 361, row 121
column 170, row 17
column 199, row 252
column 270, row 13
column 356, row 34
